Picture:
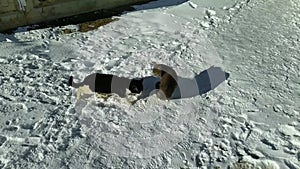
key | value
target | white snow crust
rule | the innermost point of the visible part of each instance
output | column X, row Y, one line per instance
column 237, row 104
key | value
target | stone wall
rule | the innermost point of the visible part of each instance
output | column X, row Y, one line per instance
column 15, row 13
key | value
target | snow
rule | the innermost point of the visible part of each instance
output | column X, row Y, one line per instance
column 192, row 4
column 237, row 103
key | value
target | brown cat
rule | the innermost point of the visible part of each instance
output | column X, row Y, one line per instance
column 168, row 81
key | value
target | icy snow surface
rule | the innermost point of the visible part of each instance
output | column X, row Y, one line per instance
column 250, row 120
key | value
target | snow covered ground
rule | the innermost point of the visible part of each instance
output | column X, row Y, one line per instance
column 250, row 120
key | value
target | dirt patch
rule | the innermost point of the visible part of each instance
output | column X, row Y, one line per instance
column 91, row 25
column 86, row 22
column 87, row 26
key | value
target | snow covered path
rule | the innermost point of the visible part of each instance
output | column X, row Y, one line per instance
column 260, row 48
column 253, row 117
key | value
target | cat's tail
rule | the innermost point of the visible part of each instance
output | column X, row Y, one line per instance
column 71, row 83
